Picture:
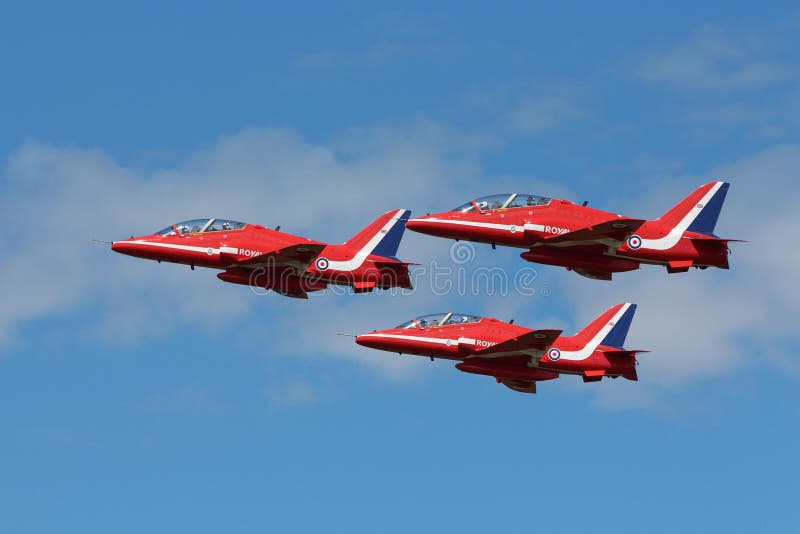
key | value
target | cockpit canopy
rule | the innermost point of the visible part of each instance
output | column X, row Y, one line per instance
column 440, row 319
column 199, row 226
column 503, row 201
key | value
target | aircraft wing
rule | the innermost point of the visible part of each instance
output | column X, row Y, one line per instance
column 298, row 256
column 537, row 340
column 616, row 230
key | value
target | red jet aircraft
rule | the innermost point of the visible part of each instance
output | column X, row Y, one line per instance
column 250, row 254
column 517, row 357
column 591, row 242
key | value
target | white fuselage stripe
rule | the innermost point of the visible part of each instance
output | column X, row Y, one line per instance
column 674, row 235
column 491, row 226
column 436, row 340
column 189, row 248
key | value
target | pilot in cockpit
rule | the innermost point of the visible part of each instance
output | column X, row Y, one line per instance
column 226, row 225
column 531, row 200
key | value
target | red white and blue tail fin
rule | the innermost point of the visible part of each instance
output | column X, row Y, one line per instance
column 382, row 237
column 609, row 329
column 699, row 211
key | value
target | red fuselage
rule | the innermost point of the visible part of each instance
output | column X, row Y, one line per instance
column 474, row 342
column 559, row 232
column 253, row 255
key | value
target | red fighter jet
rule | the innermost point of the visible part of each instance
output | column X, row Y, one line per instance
column 591, row 242
column 252, row 255
column 517, row 357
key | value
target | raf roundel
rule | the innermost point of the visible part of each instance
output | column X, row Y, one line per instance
column 321, row 264
column 634, row 242
column 554, row 354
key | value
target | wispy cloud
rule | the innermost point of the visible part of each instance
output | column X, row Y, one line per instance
column 68, row 196
column 191, row 400
column 711, row 60
column 376, row 54
column 535, row 115
column 528, row 108
column 706, row 324
column 294, row 393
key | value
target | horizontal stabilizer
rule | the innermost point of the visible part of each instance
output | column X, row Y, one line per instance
column 387, row 262
column 623, row 352
column 705, row 237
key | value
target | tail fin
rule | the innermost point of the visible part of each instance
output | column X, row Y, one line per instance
column 610, row 328
column 382, row 237
column 699, row 211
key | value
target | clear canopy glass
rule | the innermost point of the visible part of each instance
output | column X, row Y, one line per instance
column 440, row 319
column 199, row 226
column 503, row 201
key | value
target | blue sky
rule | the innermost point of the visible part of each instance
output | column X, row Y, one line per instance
column 149, row 398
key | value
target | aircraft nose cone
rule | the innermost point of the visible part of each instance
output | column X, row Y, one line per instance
column 364, row 341
column 126, row 247
column 374, row 340
column 432, row 225
column 420, row 224
column 411, row 223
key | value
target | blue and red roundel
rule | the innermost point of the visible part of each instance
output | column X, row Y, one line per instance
column 634, row 242
column 321, row 264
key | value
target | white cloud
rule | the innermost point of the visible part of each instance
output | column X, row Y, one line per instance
column 378, row 53
column 699, row 325
column 706, row 324
column 59, row 199
column 535, row 114
column 528, row 108
column 191, row 399
column 711, row 60
column 296, row 393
